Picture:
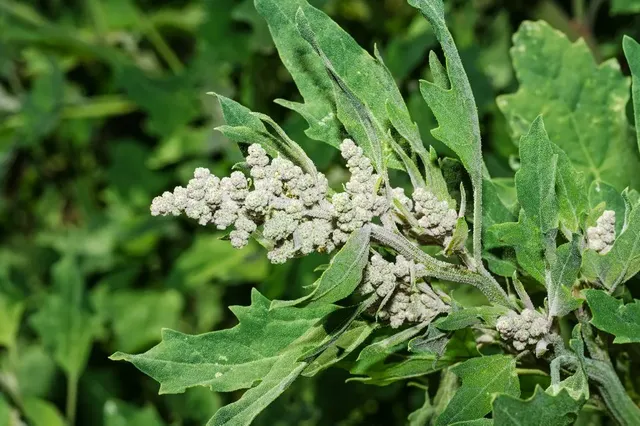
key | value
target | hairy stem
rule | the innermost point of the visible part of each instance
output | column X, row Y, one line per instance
column 615, row 396
column 439, row 269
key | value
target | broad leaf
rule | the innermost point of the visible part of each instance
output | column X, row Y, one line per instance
column 231, row 359
column 542, row 409
column 583, row 103
column 632, row 52
column 481, row 377
column 564, row 273
column 65, row 327
column 612, row 316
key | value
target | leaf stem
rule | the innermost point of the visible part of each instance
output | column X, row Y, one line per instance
column 72, row 399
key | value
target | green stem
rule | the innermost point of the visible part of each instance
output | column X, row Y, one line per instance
column 72, row 399
column 442, row 270
column 615, row 396
column 578, row 10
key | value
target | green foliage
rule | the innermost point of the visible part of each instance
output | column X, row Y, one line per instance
column 480, row 377
column 583, row 103
column 540, row 409
column 614, row 317
column 240, row 356
column 103, row 107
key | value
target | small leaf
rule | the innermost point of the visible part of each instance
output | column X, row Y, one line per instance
column 342, row 276
column 467, row 317
column 481, row 377
column 380, row 350
column 433, row 341
column 542, row 409
column 349, row 340
column 564, row 273
column 612, row 316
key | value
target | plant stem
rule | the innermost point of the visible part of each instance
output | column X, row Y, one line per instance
column 72, row 399
column 615, row 396
column 439, row 269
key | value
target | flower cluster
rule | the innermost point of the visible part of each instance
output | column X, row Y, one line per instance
column 436, row 219
column 292, row 207
column 401, row 297
column 361, row 201
column 601, row 237
column 525, row 330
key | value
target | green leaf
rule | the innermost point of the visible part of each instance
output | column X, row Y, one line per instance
column 194, row 267
column 42, row 413
column 525, row 238
column 542, row 409
column 6, row 414
column 276, row 381
column 136, row 316
column 453, row 107
column 481, row 377
column 366, row 77
column 433, row 341
column 342, row 276
column 345, row 270
column 583, row 103
column 564, row 273
column 350, row 340
column 65, row 327
column 231, row 359
column 117, row 413
column 612, row 316
column 467, row 317
column 535, row 180
column 632, row 52
column 600, row 192
column 623, row 260
column 383, row 374
column 167, row 100
column 10, row 315
column 42, row 107
column 381, row 349
column 625, row 6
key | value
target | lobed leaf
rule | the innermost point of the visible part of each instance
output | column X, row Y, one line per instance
column 583, row 103
column 481, row 377
column 231, row 359
column 541, row 409
column 612, row 316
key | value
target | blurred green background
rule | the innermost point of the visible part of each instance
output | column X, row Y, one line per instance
column 103, row 105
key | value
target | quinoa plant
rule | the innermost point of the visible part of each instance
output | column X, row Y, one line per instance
column 552, row 250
